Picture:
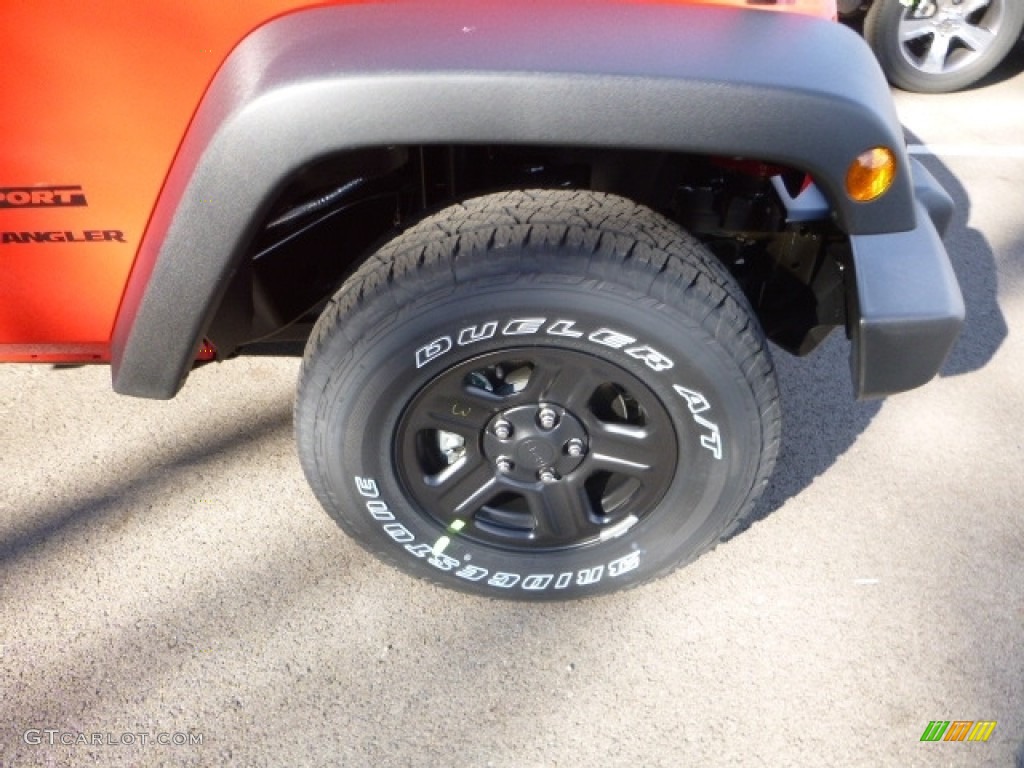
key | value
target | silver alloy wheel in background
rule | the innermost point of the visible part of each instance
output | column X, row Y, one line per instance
column 941, row 36
column 936, row 46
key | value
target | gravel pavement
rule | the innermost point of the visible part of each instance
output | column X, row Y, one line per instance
column 166, row 575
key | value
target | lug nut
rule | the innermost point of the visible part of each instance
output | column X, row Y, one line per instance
column 503, row 430
column 547, row 418
column 547, row 475
column 575, row 447
column 504, row 465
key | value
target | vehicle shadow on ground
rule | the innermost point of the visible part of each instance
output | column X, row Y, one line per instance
column 974, row 262
column 91, row 509
column 1009, row 68
column 821, row 421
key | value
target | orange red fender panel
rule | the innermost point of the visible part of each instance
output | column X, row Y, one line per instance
column 99, row 102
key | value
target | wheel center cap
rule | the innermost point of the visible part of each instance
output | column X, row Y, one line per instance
column 541, row 442
column 535, row 453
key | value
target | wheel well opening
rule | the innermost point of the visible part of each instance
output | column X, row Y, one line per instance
column 331, row 214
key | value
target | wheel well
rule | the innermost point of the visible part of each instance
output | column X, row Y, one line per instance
column 333, row 213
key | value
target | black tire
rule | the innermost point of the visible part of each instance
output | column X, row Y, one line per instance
column 538, row 395
column 943, row 46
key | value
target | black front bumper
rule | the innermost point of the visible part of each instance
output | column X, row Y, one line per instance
column 905, row 305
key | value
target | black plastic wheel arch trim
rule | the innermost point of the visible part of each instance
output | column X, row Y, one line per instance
column 789, row 89
column 907, row 309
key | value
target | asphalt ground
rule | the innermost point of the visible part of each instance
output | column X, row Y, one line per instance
column 166, row 575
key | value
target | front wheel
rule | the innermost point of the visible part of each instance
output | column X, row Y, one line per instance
column 538, row 395
column 938, row 46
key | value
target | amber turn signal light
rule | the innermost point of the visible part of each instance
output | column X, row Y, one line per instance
column 871, row 174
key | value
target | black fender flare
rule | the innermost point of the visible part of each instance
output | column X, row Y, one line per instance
column 799, row 91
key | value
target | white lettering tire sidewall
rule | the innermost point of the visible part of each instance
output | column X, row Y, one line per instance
column 387, row 354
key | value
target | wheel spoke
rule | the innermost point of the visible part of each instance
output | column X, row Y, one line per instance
column 970, row 7
column 625, row 449
column 568, row 383
column 454, row 408
column 562, row 512
column 458, row 414
column 466, row 489
column 975, row 38
column 935, row 61
column 914, row 29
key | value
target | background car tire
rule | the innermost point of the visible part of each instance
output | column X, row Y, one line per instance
column 538, row 395
column 941, row 55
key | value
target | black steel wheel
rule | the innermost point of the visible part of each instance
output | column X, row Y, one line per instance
column 538, row 395
column 565, row 450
